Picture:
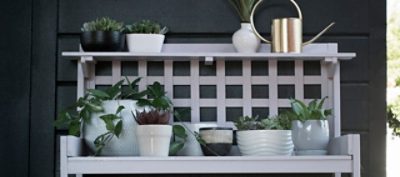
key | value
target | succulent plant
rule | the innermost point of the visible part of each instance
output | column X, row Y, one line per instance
column 152, row 117
column 146, row 27
column 279, row 122
column 103, row 24
column 314, row 110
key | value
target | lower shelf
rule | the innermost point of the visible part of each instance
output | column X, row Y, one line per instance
column 344, row 158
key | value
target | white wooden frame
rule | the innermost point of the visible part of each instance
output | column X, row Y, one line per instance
column 344, row 149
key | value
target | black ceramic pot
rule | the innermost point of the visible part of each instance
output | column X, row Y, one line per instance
column 102, row 41
column 218, row 141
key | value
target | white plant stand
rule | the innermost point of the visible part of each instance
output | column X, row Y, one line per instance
column 344, row 151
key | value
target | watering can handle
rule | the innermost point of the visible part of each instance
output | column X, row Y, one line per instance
column 252, row 18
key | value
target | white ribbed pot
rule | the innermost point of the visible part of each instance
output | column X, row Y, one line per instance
column 126, row 144
column 244, row 39
column 265, row 142
column 154, row 140
column 310, row 137
column 145, row 42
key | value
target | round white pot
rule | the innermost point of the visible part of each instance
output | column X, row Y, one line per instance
column 126, row 144
column 265, row 142
column 244, row 40
column 192, row 147
column 154, row 140
column 145, row 42
column 310, row 137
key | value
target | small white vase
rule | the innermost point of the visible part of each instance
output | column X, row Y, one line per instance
column 310, row 137
column 244, row 40
column 154, row 140
column 126, row 144
column 145, row 42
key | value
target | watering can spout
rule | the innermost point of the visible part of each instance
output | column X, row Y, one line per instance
column 319, row 34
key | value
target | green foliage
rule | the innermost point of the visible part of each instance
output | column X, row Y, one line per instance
column 243, row 8
column 146, row 27
column 280, row 122
column 103, row 24
column 393, row 116
column 314, row 110
column 157, row 99
column 79, row 113
column 179, row 140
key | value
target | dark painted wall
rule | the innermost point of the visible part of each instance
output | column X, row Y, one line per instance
column 360, row 28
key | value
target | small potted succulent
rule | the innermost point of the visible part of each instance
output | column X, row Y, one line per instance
column 264, row 137
column 244, row 39
column 310, row 127
column 154, row 132
column 102, row 34
column 145, row 36
column 106, row 120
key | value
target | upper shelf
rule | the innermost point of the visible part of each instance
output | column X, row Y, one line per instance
column 220, row 51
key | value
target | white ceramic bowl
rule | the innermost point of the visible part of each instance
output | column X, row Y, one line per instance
column 265, row 142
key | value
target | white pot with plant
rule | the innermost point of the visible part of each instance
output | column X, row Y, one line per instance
column 264, row 137
column 106, row 120
column 245, row 40
column 310, row 127
column 145, row 36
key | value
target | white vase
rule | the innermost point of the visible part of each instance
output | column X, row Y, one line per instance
column 126, row 144
column 244, row 39
column 154, row 140
column 310, row 137
column 265, row 142
column 145, row 42
column 192, row 146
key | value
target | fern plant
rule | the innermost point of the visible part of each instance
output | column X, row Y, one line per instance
column 103, row 24
column 146, row 27
column 243, row 8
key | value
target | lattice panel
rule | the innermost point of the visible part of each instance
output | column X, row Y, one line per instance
column 225, row 90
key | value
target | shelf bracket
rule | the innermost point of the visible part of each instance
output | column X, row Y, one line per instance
column 84, row 61
column 331, row 66
column 209, row 60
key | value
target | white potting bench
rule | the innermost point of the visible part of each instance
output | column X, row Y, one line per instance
column 344, row 151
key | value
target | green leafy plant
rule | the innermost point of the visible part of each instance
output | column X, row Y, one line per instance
column 243, row 8
column 146, row 27
column 314, row 110
column 279, row 122
column 81, row 112
column 103, row 24
column 393, row 116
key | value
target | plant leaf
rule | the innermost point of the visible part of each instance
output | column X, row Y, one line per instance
column 120, row 108
column 118, row 128
column 98, row 93
column 175, row 147
column 179, row 131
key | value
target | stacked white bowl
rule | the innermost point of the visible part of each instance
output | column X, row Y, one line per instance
column 265, row 142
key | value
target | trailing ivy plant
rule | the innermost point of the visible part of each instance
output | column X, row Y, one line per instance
column 103, row 24
column 81, row 112
column 146, row 27
column 313, row 111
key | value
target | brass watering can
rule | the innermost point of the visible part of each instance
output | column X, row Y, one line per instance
column 287, row 33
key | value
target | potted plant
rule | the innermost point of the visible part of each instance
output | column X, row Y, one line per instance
column 103, row 34
column 106, row 120
column 264, row 137
column 245, row 40
column 145, row 36
column 154, row 132
column 310, row 127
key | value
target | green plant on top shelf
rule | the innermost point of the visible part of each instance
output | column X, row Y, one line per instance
column 313, row 111
column 243, row 8
column 103, row 24
column 146, row 27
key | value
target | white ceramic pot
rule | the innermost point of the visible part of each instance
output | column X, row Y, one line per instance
column 244, row 40
column 265, row 142
column 192, row 147
column 310, row 137
column 126, row 144
column 145, row 42
column 154, row 140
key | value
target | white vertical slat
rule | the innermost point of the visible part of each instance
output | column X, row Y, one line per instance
column 142, row 73
column 273, row 87
column 91, row 81
column 195, row 90
column 168, row 81
column 116, row 71
column 80, row 79
column 299, row 79
column 356, row 155
column 246, row 79
column 221, row 109
column 63, row 157
column 324, row 85
column 336, row 101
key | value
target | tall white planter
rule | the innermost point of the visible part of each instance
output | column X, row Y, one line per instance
column 154, row 140
column 310, row 137
column 265, row 142
column 244, row 40
column 126, row 144
column 145, row 42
